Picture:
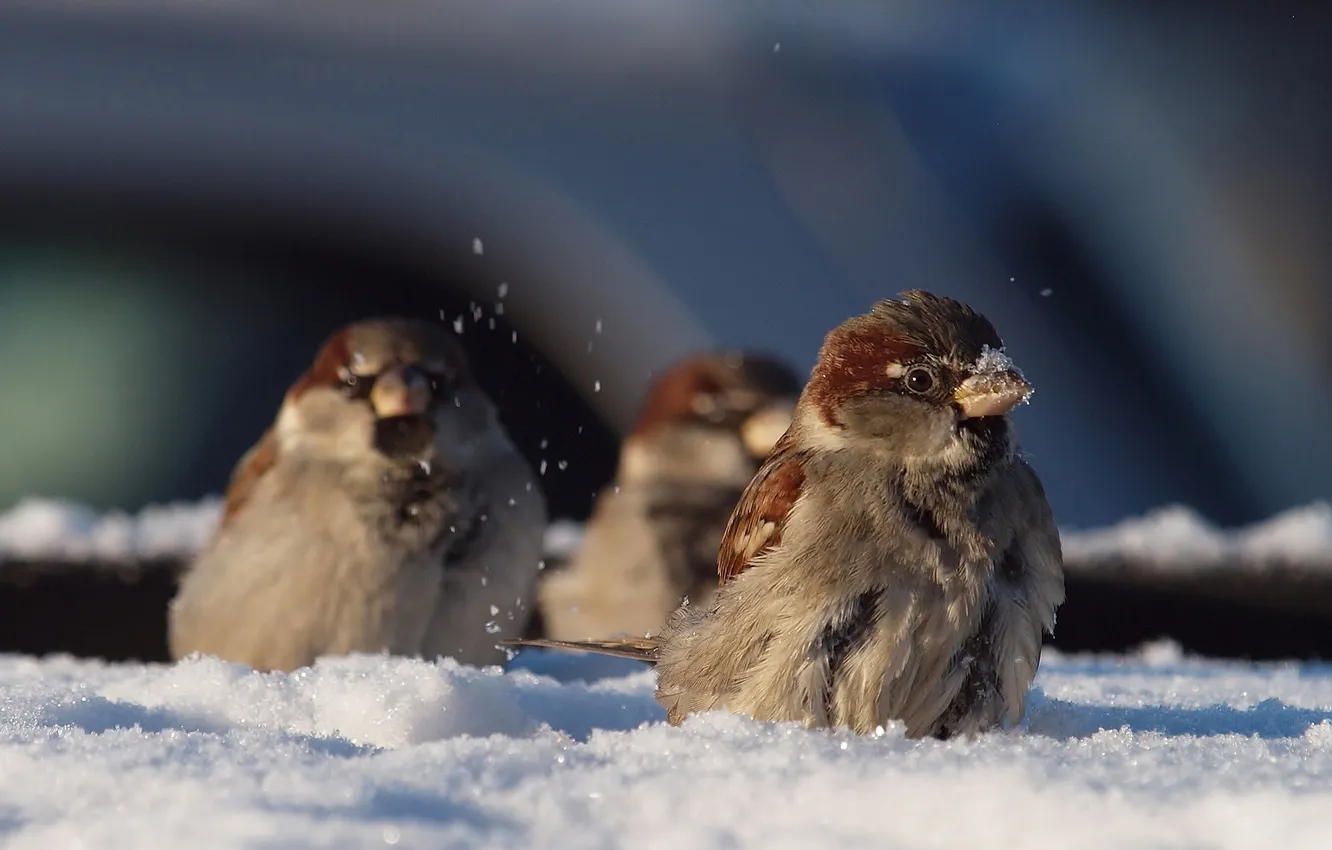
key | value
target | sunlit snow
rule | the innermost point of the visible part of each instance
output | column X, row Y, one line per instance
column 1155, row 751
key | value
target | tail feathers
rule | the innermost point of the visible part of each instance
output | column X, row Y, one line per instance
column 639, row 649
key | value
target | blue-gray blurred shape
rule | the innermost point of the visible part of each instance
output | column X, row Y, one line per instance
column 1132, row 198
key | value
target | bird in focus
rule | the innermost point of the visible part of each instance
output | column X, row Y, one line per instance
column 652, row 539
column 385, row 510
column 894, row 559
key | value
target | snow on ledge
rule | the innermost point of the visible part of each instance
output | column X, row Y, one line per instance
column 61, row 530
column 56, row 529
column 1177, row 535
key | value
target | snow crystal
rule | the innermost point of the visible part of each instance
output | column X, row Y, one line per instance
column 991, row 360
column 1163, row 751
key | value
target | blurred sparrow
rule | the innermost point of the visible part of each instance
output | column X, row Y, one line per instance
column 894, row 559
column 384, row 511
column 652, row 540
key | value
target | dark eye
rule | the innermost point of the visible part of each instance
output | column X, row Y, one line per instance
column 920, row 380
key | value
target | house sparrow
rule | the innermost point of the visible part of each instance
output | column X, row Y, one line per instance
column 894, row 559
column 652, row 540
column 384, row 510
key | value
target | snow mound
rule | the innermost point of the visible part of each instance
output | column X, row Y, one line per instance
column 1156, row 750
column 1178, row 535
column 50, row 528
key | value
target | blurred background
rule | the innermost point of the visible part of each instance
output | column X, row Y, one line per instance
column 193, row 195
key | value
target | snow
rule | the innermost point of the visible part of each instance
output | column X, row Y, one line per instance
column 567, row 751
column 1174, row 536
column 1177, row 536
column 992, row 361
column 52, row 528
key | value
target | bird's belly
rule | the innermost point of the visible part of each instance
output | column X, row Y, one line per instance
column 901, row 672
column 887, row 656
column 385, row 610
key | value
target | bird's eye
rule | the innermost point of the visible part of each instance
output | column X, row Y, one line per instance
column 920, row 380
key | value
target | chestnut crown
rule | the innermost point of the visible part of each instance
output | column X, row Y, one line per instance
column 925, row 350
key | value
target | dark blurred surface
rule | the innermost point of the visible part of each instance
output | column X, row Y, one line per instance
column 118, row 611
column 193, row 195
column 187, row 326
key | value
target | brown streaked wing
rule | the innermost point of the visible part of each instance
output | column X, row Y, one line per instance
column 333, row 357
column 756, row 523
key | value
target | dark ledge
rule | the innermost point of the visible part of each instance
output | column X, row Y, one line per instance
column 117, row 611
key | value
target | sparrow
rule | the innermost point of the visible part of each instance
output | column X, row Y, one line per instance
column 652, row 539
column 893, row 560
column 385, row 510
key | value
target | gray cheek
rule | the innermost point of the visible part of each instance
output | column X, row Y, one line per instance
column 901, row 425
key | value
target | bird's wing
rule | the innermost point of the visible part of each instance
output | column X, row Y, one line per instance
column 1028, row 588
column 756, row 524
column 247, row 473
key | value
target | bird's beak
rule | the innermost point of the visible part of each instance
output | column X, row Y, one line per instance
column 400, row 391
column 991, row 393
column 765, row 426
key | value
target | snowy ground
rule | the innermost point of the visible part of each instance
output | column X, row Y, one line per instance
column 1155, row 751
column 567, row 751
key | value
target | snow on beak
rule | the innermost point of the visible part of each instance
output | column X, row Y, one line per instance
column 994, row 387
